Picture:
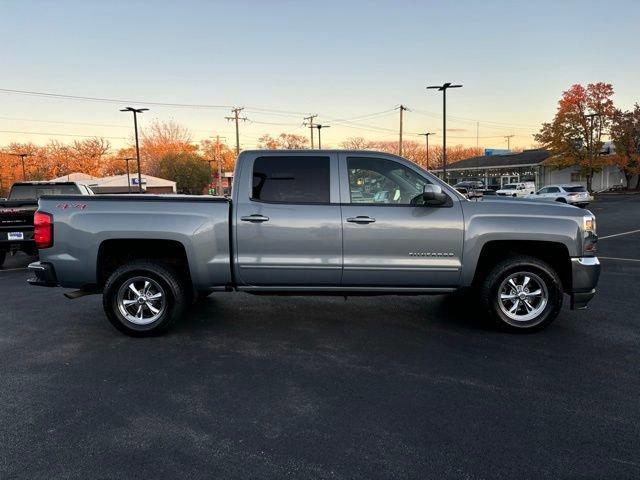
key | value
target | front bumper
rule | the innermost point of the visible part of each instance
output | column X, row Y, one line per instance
column 585, row 272
column 44, row 275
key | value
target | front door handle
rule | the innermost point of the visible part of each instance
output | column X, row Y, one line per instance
column 255, row 218
column 361, row 219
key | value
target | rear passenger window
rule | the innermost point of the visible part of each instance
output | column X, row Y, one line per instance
column 289, row 179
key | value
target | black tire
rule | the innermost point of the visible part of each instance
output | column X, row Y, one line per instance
column 174, row 297
column 561, row 200
column 539, row 272
column 3, row 255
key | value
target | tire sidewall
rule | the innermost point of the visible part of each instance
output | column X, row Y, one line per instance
column 546, row 274
column 160, row 275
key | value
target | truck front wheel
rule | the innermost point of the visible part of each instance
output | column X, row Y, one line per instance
column 522, row 294
column 144, row 298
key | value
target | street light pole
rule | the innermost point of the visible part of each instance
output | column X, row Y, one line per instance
column 136, row 111
column 22, row 158
column 443, row 88
column 320, row 127
column 426, row 136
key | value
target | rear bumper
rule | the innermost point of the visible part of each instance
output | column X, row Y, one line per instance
column 585, row 272
column 44, row 275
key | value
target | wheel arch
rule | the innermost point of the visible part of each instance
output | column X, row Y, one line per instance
column 113, row 253
column 555, row 254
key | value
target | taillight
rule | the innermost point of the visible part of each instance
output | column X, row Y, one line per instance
column 43, row 231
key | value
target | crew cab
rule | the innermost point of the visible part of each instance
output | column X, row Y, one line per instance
column 311, row 222
column 16, row 213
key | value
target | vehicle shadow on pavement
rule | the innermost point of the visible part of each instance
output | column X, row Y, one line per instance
column 449, row 312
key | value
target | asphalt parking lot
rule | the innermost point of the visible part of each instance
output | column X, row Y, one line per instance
column 306, row 387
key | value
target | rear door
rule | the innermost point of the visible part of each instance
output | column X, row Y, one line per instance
column 389, row 239
column 287, row 220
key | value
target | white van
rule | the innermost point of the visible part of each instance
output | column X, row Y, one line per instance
column 519, row 189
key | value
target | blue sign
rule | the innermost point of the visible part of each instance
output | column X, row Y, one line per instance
column 489, row 152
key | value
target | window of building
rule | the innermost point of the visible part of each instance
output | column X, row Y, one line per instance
column 288, row 179
column 576, row 177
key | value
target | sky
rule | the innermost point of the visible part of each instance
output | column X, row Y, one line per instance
column 353, row 60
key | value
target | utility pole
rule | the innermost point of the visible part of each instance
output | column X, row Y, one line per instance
column 136, row 111
column 236, row 112
column 320, row 127
column 509, row 137
column 402, row 109
column 219, row 161
column 310, row 125
column 443, row 88
column 477, row 134
column 210, row 172
column 22, row 158
column 426, row 136
column 128, row 159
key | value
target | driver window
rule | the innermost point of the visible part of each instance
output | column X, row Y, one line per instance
column 381, row 181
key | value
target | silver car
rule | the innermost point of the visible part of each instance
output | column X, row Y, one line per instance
column 572, row 194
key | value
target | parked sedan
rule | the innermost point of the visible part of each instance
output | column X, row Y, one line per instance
column 572, row 194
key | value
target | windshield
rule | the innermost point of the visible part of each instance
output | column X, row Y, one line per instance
column 509, row 186
column 34, row 192
column 575, row 188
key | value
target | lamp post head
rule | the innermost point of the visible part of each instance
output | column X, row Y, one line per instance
column 136, row 110
column 444, row 86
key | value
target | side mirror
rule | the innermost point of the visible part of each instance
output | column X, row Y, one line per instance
column 433, row 195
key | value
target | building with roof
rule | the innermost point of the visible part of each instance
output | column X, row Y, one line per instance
column 78, row 177
column 120, row 183
column 527, row 166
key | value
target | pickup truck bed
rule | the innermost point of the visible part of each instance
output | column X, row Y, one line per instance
column 94, row 227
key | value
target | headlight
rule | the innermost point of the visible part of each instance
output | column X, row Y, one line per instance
column 590, row 238
column 589, row 224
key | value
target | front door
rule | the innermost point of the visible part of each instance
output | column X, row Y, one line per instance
column 288, row 227
column 509, row 179
column 390, row 240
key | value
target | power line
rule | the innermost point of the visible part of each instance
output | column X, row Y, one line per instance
column 61, row 134
column 65, row 123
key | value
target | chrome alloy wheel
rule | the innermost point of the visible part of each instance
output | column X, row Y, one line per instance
column 141, row 300
column 523, row 296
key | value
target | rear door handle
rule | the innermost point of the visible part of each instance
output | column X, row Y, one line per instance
column 361, row 219
column 255, row 218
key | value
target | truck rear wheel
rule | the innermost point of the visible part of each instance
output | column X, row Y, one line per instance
column 522, row 294
column 144, row 298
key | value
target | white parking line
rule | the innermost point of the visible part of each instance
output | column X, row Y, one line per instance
column 618, row 234
column 621, row 259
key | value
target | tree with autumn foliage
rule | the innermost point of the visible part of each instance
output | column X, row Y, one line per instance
column 414, row 151
column 284, row 141
column 216, row 150
column 189, row 170
column 625, row 135
column 574, row 136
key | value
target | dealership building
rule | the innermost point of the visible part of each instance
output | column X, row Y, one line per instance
column 527, row 166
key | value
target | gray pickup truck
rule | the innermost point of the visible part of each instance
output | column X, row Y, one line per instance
column 316, row 222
